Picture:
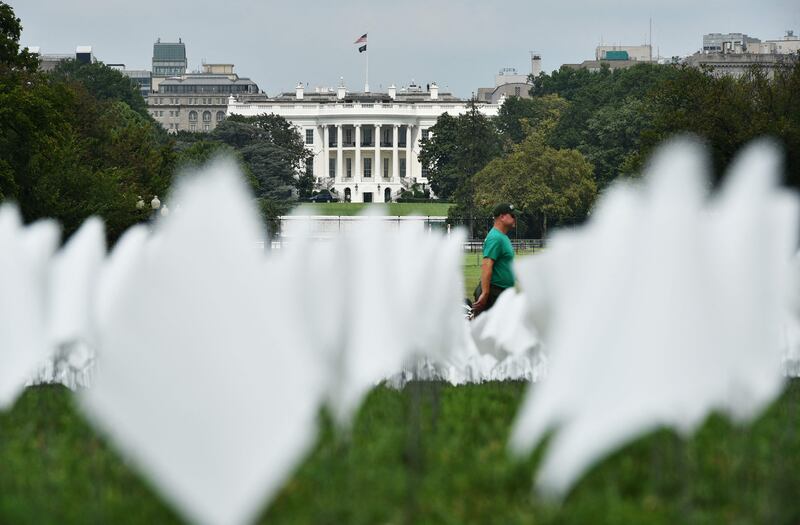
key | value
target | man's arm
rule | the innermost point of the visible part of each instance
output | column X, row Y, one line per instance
column 486, row 280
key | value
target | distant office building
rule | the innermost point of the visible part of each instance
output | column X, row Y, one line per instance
column 616, row 57
column 734, row 54
column 728, row 43
column 169, row 60
column 49, row 61
column 197, row 101
column 508, row 83
column 142, row 77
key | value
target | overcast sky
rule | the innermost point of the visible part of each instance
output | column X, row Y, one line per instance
column 459, row 44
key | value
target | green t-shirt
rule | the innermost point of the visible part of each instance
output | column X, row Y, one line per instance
column 497, row 247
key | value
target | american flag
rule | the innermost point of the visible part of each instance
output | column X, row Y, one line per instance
column 362, row 39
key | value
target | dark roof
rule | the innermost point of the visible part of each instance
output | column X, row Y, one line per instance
column 169, row 51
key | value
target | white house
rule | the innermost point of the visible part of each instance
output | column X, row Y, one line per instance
column 365, row 145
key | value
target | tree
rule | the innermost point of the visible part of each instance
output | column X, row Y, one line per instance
column 103, row 82
column 548, row 184
column 11, row 57
column 457, row 149
column 517, row 116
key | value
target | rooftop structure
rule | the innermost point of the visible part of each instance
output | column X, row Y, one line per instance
column 169, row 58
column 510, row 83
column 49, row 61
column 734, row 54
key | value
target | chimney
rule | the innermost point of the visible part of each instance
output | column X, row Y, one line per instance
column 341, row 91
column 536, row 64
column 434, row 91
column 392, row 92
column 299, row 91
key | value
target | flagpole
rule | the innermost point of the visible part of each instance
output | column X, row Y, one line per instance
column 366, row 84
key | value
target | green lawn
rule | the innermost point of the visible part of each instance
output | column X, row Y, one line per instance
column 430, row 453
column 472, row 269
column 433, row 209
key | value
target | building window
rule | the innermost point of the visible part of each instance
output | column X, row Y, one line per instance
column 331, row 168
column 425, row 134
column 385, row 168
column 206, row 116
column 206, row 127
column 424, row 172
column 387, row 195
column 309, row 136
column 192, row 127
column 348, row 137
column 403, row 168
column 349, row 167
column 516, row 91
column 367, row 168
column 347, row 195
column 193, row 116
column 387, row 137
column 310, row 166
column 220, row 116
column 333, row 137
column 366, row 136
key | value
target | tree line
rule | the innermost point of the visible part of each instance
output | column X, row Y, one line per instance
column 79, row 141
column 581, row 130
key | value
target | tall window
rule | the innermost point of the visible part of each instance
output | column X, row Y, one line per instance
column 193, row 116
column 387, row 137
column 206, row 116
column 309, row 136
column 349, row 167
column 385, row 168
column 516, row 91
column 333, row 136
column 309, row 166
column 366, row 136
column 367, row 168
column 403, row 167
column 331, row 168
column 425, row 134
column 220, row 116
column 348, row 136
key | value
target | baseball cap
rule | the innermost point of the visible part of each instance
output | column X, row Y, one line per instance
column 502, row 208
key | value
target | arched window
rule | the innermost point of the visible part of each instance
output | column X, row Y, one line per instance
column 193, row 116
column 206, row 116
column 220, row 116
column 387, row 195
column 347, row 196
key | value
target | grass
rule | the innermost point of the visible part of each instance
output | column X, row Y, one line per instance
column 432, row 209
column 430, row 453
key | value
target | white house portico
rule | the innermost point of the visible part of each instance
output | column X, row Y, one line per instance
column 365, row 145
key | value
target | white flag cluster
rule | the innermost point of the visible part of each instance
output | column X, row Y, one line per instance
column 668, row 305
column 213, row 360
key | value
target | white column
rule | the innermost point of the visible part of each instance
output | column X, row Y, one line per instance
column 339, row 156
column 326, row 152
column 395, row 155
column 377, row 169
column 357, row 174
column 408, row 153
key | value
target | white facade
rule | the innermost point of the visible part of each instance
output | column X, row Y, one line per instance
column 365, row 145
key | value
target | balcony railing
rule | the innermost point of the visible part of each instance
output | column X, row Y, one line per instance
column 386, row 144
column 332, row 144
column 365, row 144
column 349, row 143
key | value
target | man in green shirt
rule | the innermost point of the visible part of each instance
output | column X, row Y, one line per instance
column 497, row 273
